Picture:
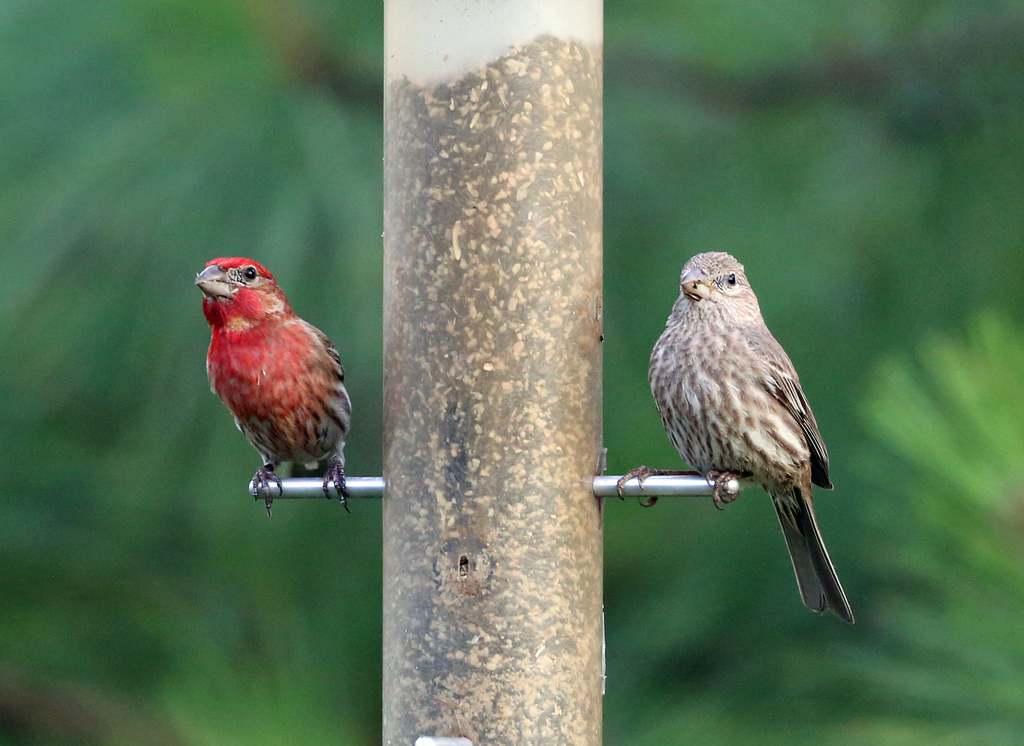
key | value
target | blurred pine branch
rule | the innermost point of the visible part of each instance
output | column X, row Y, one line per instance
column 926, row 87
column 957, row 416
column 954, row 416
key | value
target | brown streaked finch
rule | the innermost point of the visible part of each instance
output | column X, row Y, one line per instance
column 279, row 376
column 731, row 403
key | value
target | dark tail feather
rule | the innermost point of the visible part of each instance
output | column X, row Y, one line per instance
column 819, row 584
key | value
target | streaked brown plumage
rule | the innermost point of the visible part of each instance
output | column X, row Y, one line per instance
column 732, row 405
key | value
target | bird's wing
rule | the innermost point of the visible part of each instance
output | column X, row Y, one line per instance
column 341, row 404
column 781, row 381
column 332, row 352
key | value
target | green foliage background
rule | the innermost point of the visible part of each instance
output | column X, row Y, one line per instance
column 863, row 159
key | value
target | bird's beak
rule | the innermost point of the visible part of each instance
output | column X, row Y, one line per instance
column 213, row 281
column 696, row 284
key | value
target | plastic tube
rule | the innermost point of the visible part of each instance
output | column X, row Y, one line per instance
column 492, row 345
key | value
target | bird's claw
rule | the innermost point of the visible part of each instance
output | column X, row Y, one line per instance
column 335, row 475
column 640, row 473
column 264, row 476
column 721, row 480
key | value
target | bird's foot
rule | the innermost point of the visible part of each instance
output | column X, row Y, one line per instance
column 264, row 476
column 335, row 475
column 641, row 473
column 720, row 480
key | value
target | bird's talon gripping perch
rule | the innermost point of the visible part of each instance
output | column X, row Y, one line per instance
column 721, row 480
column 264, row 476
column 640, row 473
column 336, row 475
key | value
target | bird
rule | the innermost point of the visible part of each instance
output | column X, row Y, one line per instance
column 278, row 375
column 732, row 405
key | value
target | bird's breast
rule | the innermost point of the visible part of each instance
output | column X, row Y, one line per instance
column 716, row 412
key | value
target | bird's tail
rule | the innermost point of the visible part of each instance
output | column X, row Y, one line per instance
column 819, row 584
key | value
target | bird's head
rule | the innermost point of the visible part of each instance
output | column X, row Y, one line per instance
column 239, row 293
column 716, row 280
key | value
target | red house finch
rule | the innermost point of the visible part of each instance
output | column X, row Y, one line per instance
column 279, row 375
column 732, row 405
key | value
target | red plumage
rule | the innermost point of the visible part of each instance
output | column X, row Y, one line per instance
column 280, row 376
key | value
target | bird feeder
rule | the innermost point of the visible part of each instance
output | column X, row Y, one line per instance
column 492, row 371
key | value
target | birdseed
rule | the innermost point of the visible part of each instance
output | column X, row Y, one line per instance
column 492, row 547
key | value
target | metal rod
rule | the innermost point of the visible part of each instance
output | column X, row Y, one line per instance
column 605, row 486
column 688, row 485
column 301, row 488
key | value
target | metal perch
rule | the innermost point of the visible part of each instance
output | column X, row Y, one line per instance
column 604, row 486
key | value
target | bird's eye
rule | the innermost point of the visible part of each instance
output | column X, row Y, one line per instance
column 249, row 273
column 731, row 279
